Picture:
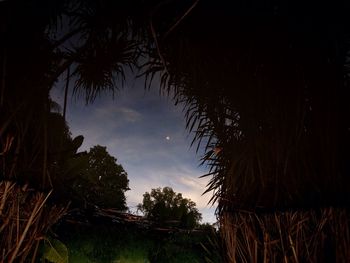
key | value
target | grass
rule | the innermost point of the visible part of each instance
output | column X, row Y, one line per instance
column 128, row 244
column 125, row 255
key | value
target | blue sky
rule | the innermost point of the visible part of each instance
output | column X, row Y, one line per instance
column 147, row 135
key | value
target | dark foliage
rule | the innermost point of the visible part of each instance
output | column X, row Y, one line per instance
column 263, row 84
column 100, row 181
column 167, row 208
column 105, row 242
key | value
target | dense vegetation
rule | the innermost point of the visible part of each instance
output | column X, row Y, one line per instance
column 111, row 242
column 101, row 182
column 264, row 82
column 166, row 207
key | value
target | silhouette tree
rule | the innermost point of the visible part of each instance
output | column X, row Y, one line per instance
column 266, row 88
column 41, row 40
column 263, row 85
column 86, row 37
column 101, row 182
column 164, row 206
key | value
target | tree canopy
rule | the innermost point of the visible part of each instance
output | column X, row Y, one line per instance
column 102, row 181
column 166, row 207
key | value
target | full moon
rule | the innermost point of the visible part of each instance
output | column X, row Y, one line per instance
column 167, row 138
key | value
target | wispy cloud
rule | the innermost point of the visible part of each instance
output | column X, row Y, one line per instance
column 129, row 114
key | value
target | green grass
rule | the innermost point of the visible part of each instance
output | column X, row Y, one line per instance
column 78, row 257
column 127, row 255
column 112, row 244
column 91, row 251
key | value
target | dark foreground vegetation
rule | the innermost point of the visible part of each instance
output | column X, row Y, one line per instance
column 104, row 239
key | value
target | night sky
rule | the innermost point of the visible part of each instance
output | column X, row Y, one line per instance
column 147, row 135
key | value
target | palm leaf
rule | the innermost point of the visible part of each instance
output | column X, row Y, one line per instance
column 55, row 251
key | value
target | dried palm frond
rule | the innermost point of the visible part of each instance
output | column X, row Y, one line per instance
column 292, row 236
column 24, row 220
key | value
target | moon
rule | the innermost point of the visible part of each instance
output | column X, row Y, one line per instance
column 167, row 138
